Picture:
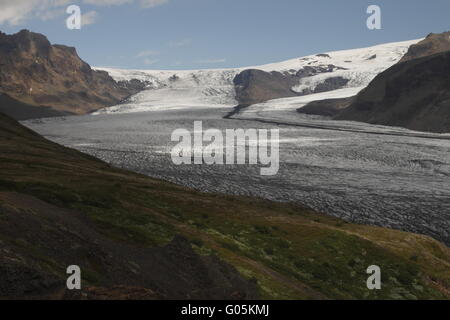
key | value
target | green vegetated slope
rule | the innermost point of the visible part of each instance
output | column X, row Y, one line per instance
column 287, row 251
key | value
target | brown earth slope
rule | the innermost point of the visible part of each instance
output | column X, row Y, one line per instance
column 37, row 73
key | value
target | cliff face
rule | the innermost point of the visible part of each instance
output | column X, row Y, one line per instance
column 414, row 94
column 37, row 73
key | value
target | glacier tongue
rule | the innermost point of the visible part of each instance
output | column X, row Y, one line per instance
column 173, row 89
column 176, row 89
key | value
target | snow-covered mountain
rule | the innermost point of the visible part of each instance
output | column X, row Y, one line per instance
column 215, row 88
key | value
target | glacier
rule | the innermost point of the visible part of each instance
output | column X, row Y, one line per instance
column 369, row 174
column 175, row 89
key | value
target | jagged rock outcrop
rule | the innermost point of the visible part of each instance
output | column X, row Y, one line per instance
column 37, row 73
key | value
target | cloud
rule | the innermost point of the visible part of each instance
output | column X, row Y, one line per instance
column 211, row 61
column 149, row 62
column 52, row 14
column 152, row 3
column 16, row 12
column 107, row 2
column 143, row 3
column 89, row 18
column 147, row 53
column 180, row 43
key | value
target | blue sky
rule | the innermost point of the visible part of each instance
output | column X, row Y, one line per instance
column 193, row 34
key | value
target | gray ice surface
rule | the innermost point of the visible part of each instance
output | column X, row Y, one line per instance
column 402, row 182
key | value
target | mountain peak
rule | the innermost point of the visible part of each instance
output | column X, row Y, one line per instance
column 432, row 44
column 24, row 42
column 37, row 73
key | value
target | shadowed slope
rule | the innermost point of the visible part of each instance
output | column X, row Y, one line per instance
column 414, row 94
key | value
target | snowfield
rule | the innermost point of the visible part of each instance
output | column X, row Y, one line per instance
column 175, row 89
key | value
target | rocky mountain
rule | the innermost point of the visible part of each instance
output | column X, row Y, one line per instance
column 254, row 86
column 414, row 94
column 432, row 44
column 36, row 73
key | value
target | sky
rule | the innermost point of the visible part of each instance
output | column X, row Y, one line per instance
column 198, row 34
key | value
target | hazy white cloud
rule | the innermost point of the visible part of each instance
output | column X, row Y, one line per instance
column 52, row 13
column 13, row 11
column 143, row 3
column 211, row 61
column 147, row 53
column 180, row 43
column 149, row 62
column 89, row 18
column 16, row 12
column 152, row 3
column 107, row 2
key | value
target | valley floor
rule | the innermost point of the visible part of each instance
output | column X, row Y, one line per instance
column 362, row 173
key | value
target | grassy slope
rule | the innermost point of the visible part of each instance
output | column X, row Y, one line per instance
column 293, row 252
